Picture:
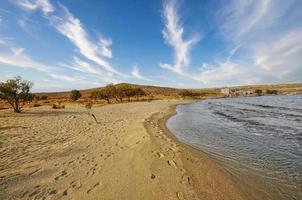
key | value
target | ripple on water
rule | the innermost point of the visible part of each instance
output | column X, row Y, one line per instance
column 260, row 133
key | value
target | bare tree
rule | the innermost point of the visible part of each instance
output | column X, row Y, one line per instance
column 16, row 92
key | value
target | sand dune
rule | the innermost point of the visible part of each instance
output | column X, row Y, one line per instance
column 128, row 154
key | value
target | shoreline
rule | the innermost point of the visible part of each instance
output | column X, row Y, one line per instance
column 205, row 176
column 127, row 154
column 248, row 184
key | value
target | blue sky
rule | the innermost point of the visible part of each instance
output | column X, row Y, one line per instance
column 67, row 44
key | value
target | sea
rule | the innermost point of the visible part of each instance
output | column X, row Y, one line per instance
column 258, row 139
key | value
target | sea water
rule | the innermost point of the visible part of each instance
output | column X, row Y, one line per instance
column 261, row 134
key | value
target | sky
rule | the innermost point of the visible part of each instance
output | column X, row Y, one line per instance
column 66, row 44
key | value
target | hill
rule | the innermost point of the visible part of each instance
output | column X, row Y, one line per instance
column 156, row 92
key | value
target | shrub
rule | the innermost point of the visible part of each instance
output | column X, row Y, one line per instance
column 55, row 106
column 37, row 98
column 44, row 97
column 88, row 105
column 16, row 92
column 272, row 92
column 75, row 95
column 258, row 91
column 188, row 93
column 118, row 92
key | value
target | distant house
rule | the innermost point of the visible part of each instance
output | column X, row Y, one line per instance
column 225, row 91
column 248, row 92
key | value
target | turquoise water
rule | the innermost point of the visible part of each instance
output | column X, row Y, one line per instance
column 260, row 134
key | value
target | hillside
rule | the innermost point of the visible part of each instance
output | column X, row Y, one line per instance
column 156, row 92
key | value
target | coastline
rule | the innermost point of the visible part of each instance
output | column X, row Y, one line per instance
column 206, row 178
column 127, row 154
column 245, row 183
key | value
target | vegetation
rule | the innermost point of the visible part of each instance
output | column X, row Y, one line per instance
column 258, row 91
column 188, row 93
column 272, row 92
column 58, row 106
column 105, row 93
column 118, row 92
column 43, row 97
column 16, row 92
column 75, row 95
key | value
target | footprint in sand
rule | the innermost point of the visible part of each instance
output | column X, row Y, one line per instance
column 160, row 155
column 62, row 175
column 34, row 172
column 76, row 184
column 179, row 196
column 172, row 163
column 92, row 188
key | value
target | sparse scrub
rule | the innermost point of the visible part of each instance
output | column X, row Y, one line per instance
column 16, row 92
column 75, row 95
column 188, row 93
column 58, row 106
column 272, row 92
column 88, row 105
column 258, row 92
column 43, row 97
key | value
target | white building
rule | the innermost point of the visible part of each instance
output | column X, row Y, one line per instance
column 225, row 91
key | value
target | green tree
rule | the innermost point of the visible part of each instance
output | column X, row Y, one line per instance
column 16, row 92
column 105, row 93
column 124, row 90
column 138, row 92
column 75, row 95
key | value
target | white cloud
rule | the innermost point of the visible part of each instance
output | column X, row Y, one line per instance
column 82, row 66
column 67, row 78
column 18, row 58
column 281, row 56
column 104, row 45
column 44, row 5
column 2, row 41
column 269, row 34
column 240, row 17
column 136, row 73
column 71, row 27
column 173, row 35
column 224, row 73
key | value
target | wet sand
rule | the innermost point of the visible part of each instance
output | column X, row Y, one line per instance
column 127, row 154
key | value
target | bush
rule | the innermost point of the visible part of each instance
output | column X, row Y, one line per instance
column 55, row 106
column 75, row 95
column 88, row 105
column 44, row 97
column 188, row 93
column 16, row 92
column 105, row 93
column 272, row 92
column 118, row 92
column 258, row 91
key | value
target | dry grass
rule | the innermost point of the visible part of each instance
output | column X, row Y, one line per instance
column 155, row 93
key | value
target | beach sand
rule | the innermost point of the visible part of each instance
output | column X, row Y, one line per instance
column 127, row 154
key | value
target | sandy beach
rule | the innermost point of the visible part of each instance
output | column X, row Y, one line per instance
column 127, row 154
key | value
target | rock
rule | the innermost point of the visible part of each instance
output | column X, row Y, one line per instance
column 152, row 176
